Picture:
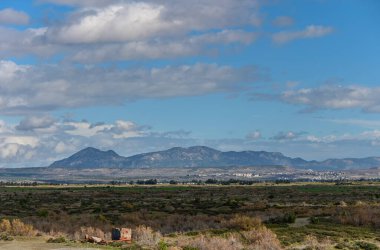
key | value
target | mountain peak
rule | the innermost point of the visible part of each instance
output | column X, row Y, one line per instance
column 91, row 151
column 90, row 157
column 202, row 148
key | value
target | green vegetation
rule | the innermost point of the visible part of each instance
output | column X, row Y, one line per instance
column 317, row 216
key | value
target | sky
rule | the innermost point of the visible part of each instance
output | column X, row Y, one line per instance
column 291, row 76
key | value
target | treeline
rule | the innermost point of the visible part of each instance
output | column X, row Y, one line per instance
column 16, row 184
column 194, row 182
column 230, row 182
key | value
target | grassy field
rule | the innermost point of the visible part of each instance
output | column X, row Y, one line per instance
column 302, row 215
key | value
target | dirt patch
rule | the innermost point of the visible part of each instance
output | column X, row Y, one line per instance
column 37, row 244
column 300, row 222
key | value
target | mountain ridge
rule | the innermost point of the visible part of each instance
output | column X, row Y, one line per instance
column 202, row 156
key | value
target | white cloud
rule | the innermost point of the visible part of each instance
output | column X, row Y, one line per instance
column 133, row 30
column 57, row 87
column 336, row 97
column 21, row 140
column 254, row 135
column 84, row 128
column 311, row 31
column 27, row 42
column 35, row 122
column 116, row 23
column 11, row 16
column 164, row 48
column 140, row 21
column 17, row 146
column 62, row 147
column 81, row 2
column 9, row 70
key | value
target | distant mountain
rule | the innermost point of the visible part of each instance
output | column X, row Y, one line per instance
column 201, row 156
column 90, row 158
column 349, row 163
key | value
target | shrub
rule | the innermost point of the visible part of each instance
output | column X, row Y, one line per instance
column 314, row 220
column 5, row 226
column 312, row 243
column 16, row 228
column 286, row 218
column 5, row 237
column 189, row 248
column 115, row 244
column 42, row 213
column 363, row 215
column 261, row 238
column 60, row 239
column 366, row 245
column 289, row 218
column 21, row 229
column 215, row 243
column 162, row 245
column 145, row 236
column 245, row 223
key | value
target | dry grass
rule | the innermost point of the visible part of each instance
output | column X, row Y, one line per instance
column 359, row 215
column 312, row 243
column 145, row 236
column 258, row 237
column 16, row 227
column 91, row 231
column 203, row 242
column 242, row 222
column 261, row 238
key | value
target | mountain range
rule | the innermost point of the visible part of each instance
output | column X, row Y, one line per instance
column 201, row 156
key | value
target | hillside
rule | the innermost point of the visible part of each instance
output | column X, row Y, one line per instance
column 201, row 156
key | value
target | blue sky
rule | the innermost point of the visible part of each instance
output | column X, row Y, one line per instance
column 299, row 77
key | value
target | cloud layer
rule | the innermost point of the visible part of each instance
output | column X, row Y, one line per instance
column 335, row 97
column 311, row 31
column 57, row 87
column 11, row 16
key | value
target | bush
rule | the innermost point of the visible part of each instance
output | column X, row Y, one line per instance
column 162, row 245
column 189, row 248
column 215, row 243
column 42, row 213
column 21, row 229
column 363, row 215
column 286, row 218
column 5, row 226
column 16, row 228
column 57, row 240
column 5, row 237
column 261, row 238
column 289, row 218
column 314, row 220
column 145, row 236
column 312, row 243
column 366, row 245
column 245, row 223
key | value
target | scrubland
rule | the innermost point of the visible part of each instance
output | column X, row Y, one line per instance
column 265, row 216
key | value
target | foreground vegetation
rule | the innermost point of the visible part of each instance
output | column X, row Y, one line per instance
column 261, row 216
